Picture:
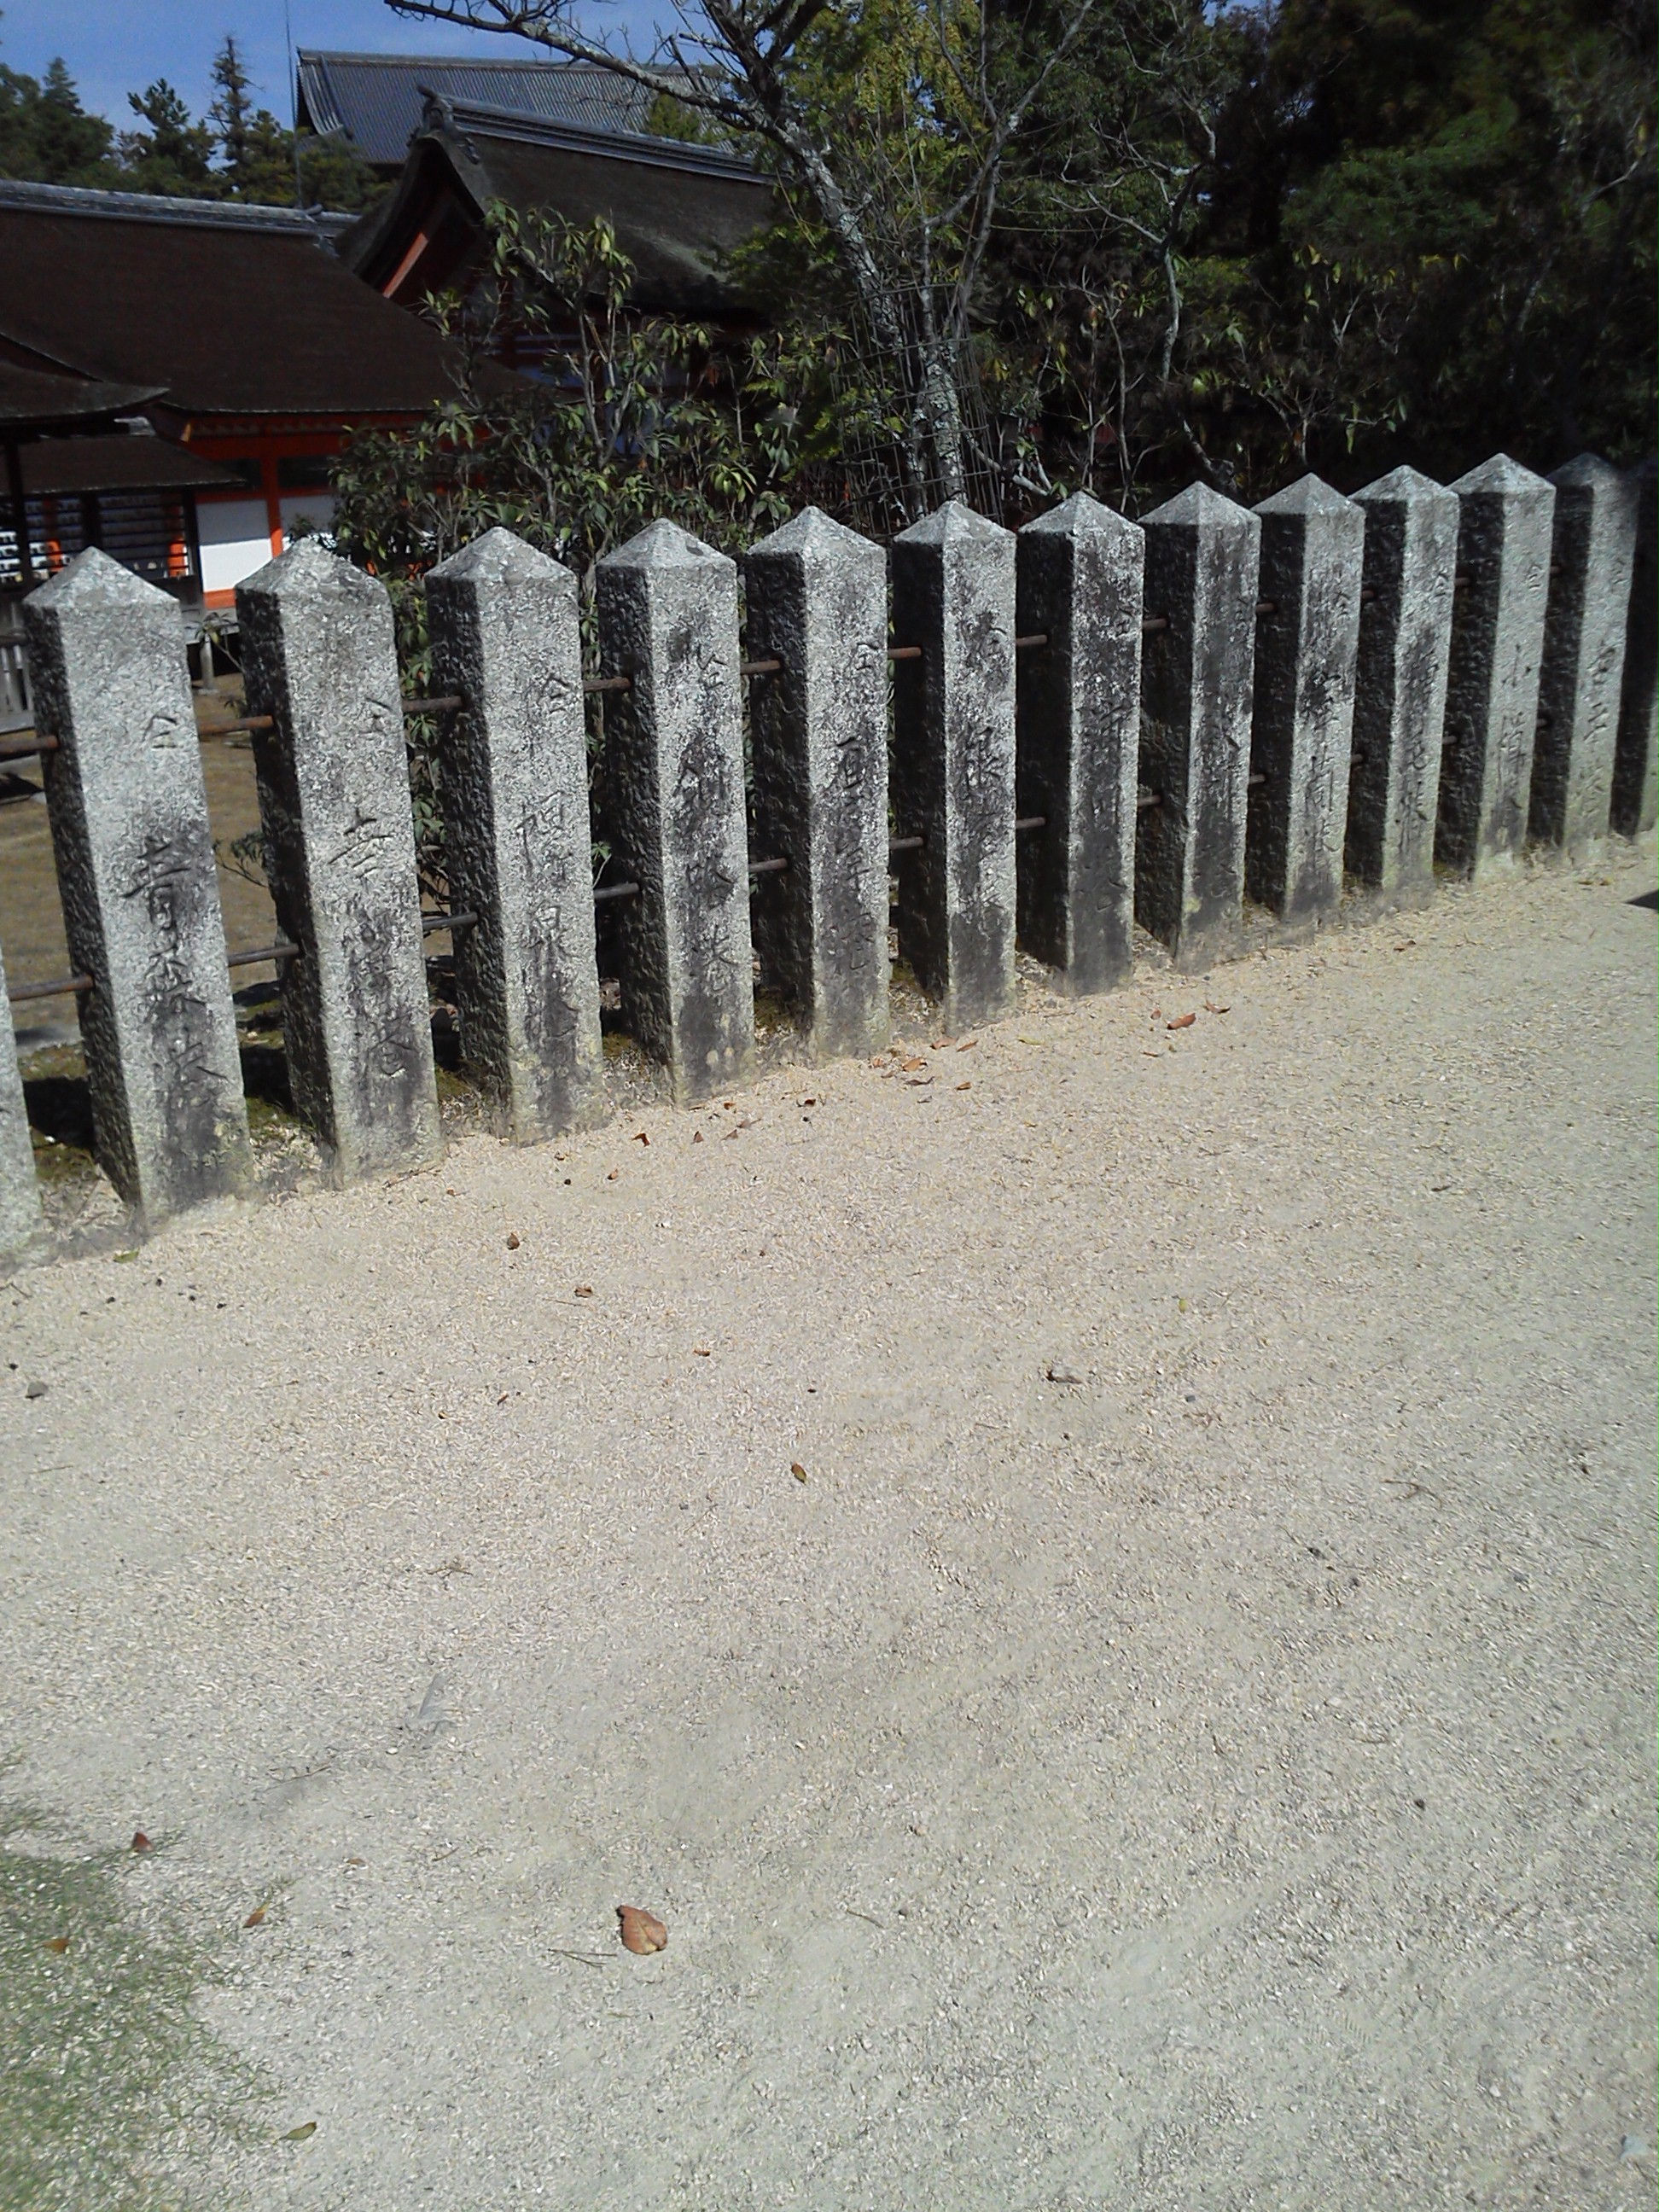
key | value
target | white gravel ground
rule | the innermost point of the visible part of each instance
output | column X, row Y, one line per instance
column 1224, row 1778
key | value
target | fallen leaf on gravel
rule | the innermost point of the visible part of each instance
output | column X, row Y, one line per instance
column 912, row 1063
column 502, row 1400
column 1182, row 1022
column 798, row 1470
column 1061, row 1375
column 126, row 1256
column 140, row 1840
column 964, row 1086
column 878, row 1058
column 59, row 1943
column 940, row 1043
column 357, row 1862
column 303, row 2133
column 513, row 1240
column 809, row 1102
column 256, row 1918
column 641, row 1932
column 35, row 1390
column 584, row 1290
column 1209, row 1008
column 702, row 1351
column 968, row 1044
column 1025, row 1040
column 696, row 1136
column 614, row 1173
column 639, row 1137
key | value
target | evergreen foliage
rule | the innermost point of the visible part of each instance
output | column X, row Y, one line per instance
column 237, row 151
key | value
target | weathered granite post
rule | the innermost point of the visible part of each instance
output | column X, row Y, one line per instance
column 953, row 759
column 1400, row 695
column 319, row 656
column 1503, row 535
column 20, row 1191
column 517, row 844
column 1307, row 645
column 1197, row 681
column 668, row 621
column 1579, row 689
column 1635, row 803
column 817, row 602
column 136, row 874
column 1079, row 571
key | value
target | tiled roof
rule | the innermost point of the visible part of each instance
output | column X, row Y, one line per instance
column 375, row 100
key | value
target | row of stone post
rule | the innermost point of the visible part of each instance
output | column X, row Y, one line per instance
column 1093, row 723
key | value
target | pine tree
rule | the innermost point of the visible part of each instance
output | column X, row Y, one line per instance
column 232, row 114
column 174, row 156
column 46, row 135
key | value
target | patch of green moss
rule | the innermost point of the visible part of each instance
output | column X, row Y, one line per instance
column 109, row 2081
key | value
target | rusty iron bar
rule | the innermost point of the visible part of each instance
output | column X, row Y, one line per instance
column 1146, row 799
column 904, row 653
column 760, row 668
column 66, row 986
column 1031, row 644
column 607, row 683
column 432, row 925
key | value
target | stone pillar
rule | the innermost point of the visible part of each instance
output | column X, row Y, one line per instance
column 668, row 621
column 1400, row 698
column 953, row 760
column 1196, row 682
column 20, row 1193
column 517, row 844
column 1634, row 808
column 136, row 874
column 318, row 655
column 1079, row 572
column 1498, row 646
column 1579, row 690
column 1307, row 645
column 817, row 602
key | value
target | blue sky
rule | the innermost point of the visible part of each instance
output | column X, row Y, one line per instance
column 116, row 47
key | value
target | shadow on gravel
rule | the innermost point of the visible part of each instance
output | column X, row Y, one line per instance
column 110, row 2087
column 1648, row 899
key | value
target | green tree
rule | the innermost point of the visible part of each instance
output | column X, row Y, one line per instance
column 174, row 155
column 258, row 156
column 46, row 135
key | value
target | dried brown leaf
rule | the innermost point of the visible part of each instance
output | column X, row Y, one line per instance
column 513, row 1240
column 798, row 1470
column 303, row 2133
column 584, row 1290
column 1182, row 1022
column 641, row 1932
column 58, row 1943
column 256, row 1918
column 140, row 1840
